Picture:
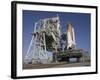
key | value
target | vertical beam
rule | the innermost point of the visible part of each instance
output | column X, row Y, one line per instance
column 44, row 35
column 29, row 47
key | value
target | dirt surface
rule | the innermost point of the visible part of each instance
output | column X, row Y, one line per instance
column 55, row 65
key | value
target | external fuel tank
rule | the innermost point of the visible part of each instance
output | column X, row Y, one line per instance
column 70, row 37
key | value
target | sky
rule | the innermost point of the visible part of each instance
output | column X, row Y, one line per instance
column 81, row 23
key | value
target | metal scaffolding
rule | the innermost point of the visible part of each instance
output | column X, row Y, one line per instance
column 37, row 51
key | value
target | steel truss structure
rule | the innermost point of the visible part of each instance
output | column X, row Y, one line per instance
column 37, row 51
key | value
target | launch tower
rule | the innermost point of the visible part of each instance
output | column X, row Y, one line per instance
column 37, row 51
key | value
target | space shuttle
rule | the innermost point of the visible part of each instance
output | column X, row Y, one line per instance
column 70, row 37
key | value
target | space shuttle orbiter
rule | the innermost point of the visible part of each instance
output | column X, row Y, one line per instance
column 70, row 37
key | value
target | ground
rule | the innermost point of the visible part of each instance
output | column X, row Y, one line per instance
column 55, row 65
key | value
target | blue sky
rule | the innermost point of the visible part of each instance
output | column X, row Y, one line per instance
column 80, row 21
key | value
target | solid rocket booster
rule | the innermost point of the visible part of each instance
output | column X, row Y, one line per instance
column 70, row 37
